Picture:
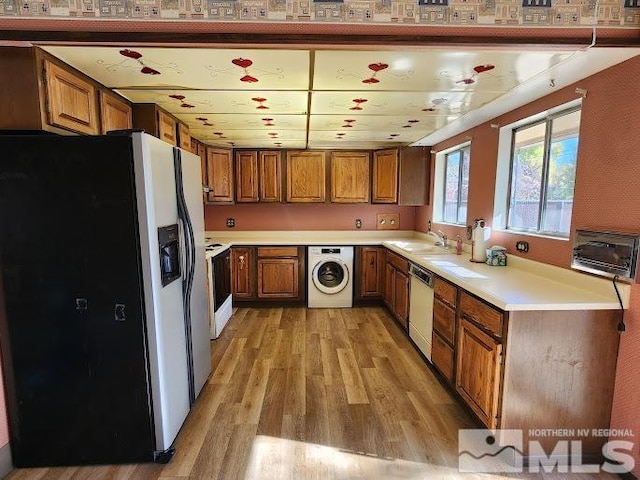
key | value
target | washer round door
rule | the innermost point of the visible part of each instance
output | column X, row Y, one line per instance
column 330, row 276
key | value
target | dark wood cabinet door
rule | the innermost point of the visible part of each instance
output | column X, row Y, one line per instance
column 401, row 298
column 442, row 356
column 414, row 176
column 350, row 177
column 167, row 128
column 278, row 278
column 444, row 320
column 385, row 176
column 270, row 176
column 371, row 270
column 306, row 177
column 184, row 137
column 72, row 101
column 478, row 371
column 115, row 113
column 246, row 176
column 219, row 175
column 242, row 272
column 389, row 286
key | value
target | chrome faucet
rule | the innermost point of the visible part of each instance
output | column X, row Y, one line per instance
column 442, row 238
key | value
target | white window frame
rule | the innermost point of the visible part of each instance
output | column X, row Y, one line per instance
column 439, row 184
column 503, row 170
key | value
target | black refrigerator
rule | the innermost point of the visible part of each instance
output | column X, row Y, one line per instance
column 100, row 349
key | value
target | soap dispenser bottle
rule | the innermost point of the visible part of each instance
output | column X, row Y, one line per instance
column 458, row 245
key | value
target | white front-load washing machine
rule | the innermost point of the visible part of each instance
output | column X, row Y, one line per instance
column 330, row 277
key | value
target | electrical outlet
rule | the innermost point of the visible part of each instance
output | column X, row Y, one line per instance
column 522, row 246
column 387, row 221
column 469, row 232
column 358, row 223
column 231, row 222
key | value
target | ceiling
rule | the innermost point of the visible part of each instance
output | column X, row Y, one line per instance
column 335, row 99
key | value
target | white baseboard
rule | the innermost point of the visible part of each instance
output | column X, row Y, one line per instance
column 6, row 465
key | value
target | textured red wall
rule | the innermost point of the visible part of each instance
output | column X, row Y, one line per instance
column 283, row 216
column 607, row 196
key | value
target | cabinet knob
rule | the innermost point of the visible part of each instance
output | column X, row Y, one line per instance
column 241, row 261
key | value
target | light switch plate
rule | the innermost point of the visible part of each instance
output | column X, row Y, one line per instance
column 387, row 221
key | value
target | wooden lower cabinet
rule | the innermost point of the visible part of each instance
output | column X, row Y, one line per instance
column 396, row 288
column 444, row 321
column 243, row 272
column 478, row 371
column 278, row 273
column 369, row 273
column 442, row 357
column 272, row 274
column 401, row 297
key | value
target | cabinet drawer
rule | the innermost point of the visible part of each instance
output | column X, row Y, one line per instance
column 398, row 262
column 442, row 357
column 481, row 313
column 444, row 320
column 445, row 290
column 277, row 252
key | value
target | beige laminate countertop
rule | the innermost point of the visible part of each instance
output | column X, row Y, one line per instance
column 523, row 285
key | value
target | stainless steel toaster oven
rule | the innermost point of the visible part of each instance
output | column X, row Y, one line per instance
column 606, row 253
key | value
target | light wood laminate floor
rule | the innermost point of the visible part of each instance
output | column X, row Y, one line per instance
column 311, row 394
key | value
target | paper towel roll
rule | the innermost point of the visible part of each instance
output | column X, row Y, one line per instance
column 481, row 235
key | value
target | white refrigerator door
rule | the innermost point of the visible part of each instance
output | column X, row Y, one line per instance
column 192, row 186
column 157, row 207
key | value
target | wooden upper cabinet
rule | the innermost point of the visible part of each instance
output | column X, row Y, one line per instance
column 72, row 101
column 184, row 137
column 200, row 149
column 350, row 177
column 306, row 176
column 219, row 175
column 414, row 176
column 385, row 176
column 167, row 126
column 270, row 167
column 39, row 92
column 115, row 113
column 246, row 176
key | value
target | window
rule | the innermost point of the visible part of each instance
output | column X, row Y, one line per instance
column 456, row 186
column 542, row 174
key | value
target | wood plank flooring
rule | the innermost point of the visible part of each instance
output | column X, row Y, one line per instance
column 311, row 394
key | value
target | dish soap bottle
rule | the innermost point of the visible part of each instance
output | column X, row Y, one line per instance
column 458, row 245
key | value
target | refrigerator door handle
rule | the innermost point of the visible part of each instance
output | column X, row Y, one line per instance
column 187, row 283
column 183, row 250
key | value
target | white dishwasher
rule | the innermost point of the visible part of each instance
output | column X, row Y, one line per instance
column 421, row 309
